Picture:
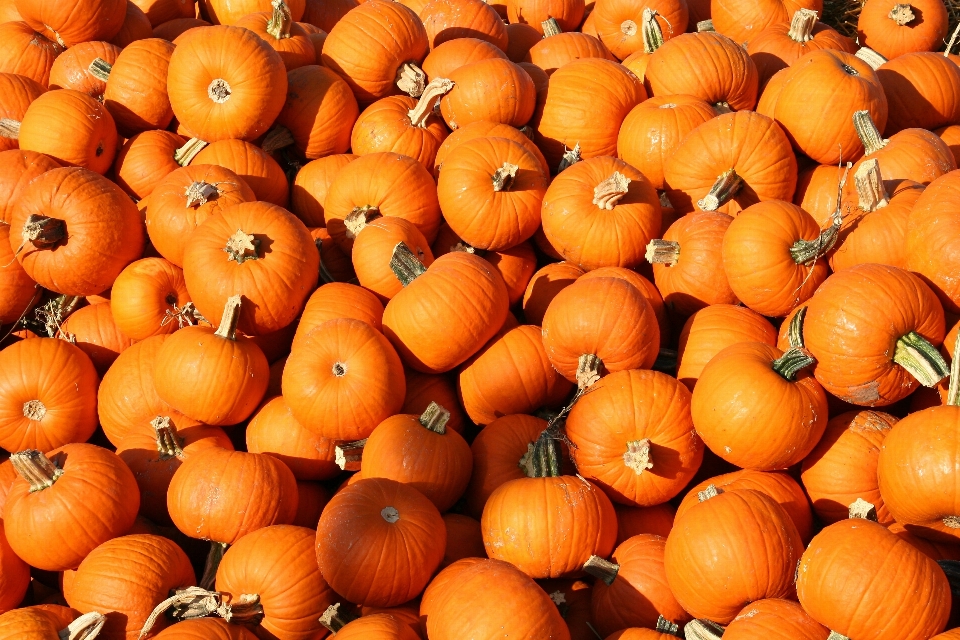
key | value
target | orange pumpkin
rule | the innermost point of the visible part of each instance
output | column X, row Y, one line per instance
column 373, row 249
column 18, row 292
column 776, row 619
column 94, row 330
column 930, row 238
column 567, row 13
column 173, row 29
column 73, row 69
column 26, row 52
column 339, row 300
column 145, row 160
column 743, row 21
column 149, row 298
column 254, row 165
column 136, row 26
column 275, row 431
column 160, row 11
column 499, row 451
column 402, row 125
column 464, row 540
column 205, row 629
column 424, row 388
column 137, row 99
column 620, row 24
column 818, row 191
column 645, row 287
column 544, row 287
column 326, row 14
column 928, row 157
column 521, row 37
column 633, row 521
column 446, row 58
column 18, row 92
column 446, row 20
column 557, row 49
column 494, row 90
column 230, row 11
column 17, row 170
column 101, row 19
column 908, row 78
column 484, row 129
column 278, row 29
column 319, row 112
column 310, row 187
column 893, row 29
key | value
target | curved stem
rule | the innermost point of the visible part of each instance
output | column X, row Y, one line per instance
column 868, row 133
column 726, row 186
column 185, row 154
column 435, row 418
column 86, row 627
column 915, row 354
column 953, row 40
column 795, row 330
column 802, row 24
column 334, row 619
column 280, row 22
column 953, row 390
column 608, row 193
column 663, row 252
column 871, row 57
column 809, row 251
column 570, row 157
column 411, row 79
column 35, row 468
column 601, row 569
column 231, row 316
column 792, row 362
column 429, row 97
column 652, row 34
column 405, row 265
column 544, row 460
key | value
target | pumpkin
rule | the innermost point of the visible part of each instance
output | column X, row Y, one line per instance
column 704, row 562
column 76, row 481
column 710, row 330
column 149, row 298
column 272, row 262
column 729, row 163
column 385, row 183
column 377, row 625
column 72, row 128
column 367, row 518
column 46, row 621
column 125, row 578
column 101, row 19
column 326, row 14
column 818, row 191
column 402, row 125
column 18, row 292
column 313, row 497
column 951, row 136
column 334, row 262
column 652, row 131
column 776, row 485
column 578, row 204
column 136, row 99
column 515, row 265
column 743, row 21
column 27, row 53
column 223, row 495
column 928, row 157
column 226, row 82
column 13, row 586
column 513, row 603
column 433, row 300
column 586, row 101
column 557, row 49
column 464, row 539
column 633, row 436
column 576, row 324
column 256, row 167
column 678, row 68
column 145, row 160
column 205, row 629
column 490, row 192
column 339, row 300
column 49, row 391
column 274, row 430
column 136, row 26
column 230, row 11
column 373, row 249
column 160, row 11
column 311, row 185
column 872, row 329
column 640, row 633
column 633, row 521
column 499, row 451
column 911, row 582
column 443, row 461
column 17, row 170
column 930, row 238
column 907, row 79
column 521, row 38
column 632, row 590
column 95, row 332
column 687, row 263
column 484, row 129
column 511, row 374
column 18, row 92
column 495, row 90
column 249, row 568
column 645, row 287
column 173, row 29
column 446, row 20
column 573, row 600
column 567, row 13
column 185, row 199
column 853, row 86
column 544, row 287
column 530, row 522
column 776, row 619
column 446, row 58
column 319, row 112
column 781, row 44
column 399, row 39
column 215, row 377
column 893, row 29
column 620, row 23
column 278, row 30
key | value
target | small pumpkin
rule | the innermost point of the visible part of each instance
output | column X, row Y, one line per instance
column 908, row 78
column 892, row 28
column 521, row 37
column 544, row 286
column 137, row 98
column 205, row 629
column 464, row 540
column 373, row 249
column 401, row 125
column 484, row 129
column 18, row 92
column 326, row 14
column 275, row 431
column 928, row 159
column 94, row 330
column 136, row 26
column 379, row 625
column 620, row 24
column 309, row 190
column 278, row 29
column 492, row 90
column 150, row 298
column 339, row 300
column 27, row 53
column 17, row 170
column 930, row 238
column 145, row 160
column 567, row 13
column 424, row 388
column 744, row 21
column 446, row 58
column 254, row 165
column 319, row 112
column 775, row 618
column 557, row 49
column 47, row 621
column 446, row 20
column 102, row 19
column 645, row 287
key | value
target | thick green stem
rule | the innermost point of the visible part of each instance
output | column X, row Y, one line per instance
column 726, row 186
column 915, row 354
column 652, row 34
column 795, row 330
column 544, row 458
column 809, row 251
column 792, row 362
column 435, row 418
column 601, row 569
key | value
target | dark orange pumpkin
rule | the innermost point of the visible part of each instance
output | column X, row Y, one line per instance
column 373, row 250
column 484, row 129
column 18, row 92
column 136, row 92
column 402, row 125
column 544, row 286
column 83, row 21
column 310, row 187
column 18, row 292
column 453, row 54
column 274, row 430
column 278, row 29
column 931, row 238
column 94, row 330
column 145, row 160
column 776, row 619
column 17, row 170
column 319, row 112
column 424, row 388
column 446, row 20
column 633, row 521
column 339, row 300
column 893, row 29
column 149, row 298
column 254, row 165
column 493, row 90
column 26, row 52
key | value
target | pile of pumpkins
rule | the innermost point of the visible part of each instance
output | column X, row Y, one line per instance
column 454, row 319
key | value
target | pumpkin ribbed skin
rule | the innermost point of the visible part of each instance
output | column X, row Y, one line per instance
column 910, row 78
column 343, row 380
column 72, row 128
column 617, row 235
column 326, row 14
column 931, row 238
column 493, row 90
column 875, row 28
column 386, row 126
column 226, row 83
column 876, row 570
column 145, row 160
column 464, row 540
column 853, row 324
column 622, row 413
column 743, row 21
column 17, row 170
column 126, row 578
column 585, row 103
column 704, row 562
column 391, row 30
column 205, row 629
column 775, row 619
column 678, row 68
column 374, row 247
column 94, row 330
column 230, row 11
column 446, row 20
column 136, row 93
column 70, row 25
column 567, row 13
column 296, row 48
column 17, row 290
column 379, row 541
column 774, row 48
column 646, row 288
column 843, row 465
column 144, row 297
column 453, row 54
column 424, row 388
column 136, row 26
column 816, row 192
column 912, row 154
column 26, row 52
column 751, row 144
column 382, row 626
column 497, row 451
column 339, row 300
column 254, row 165
column 293, row 598
column 552, row 53
column 275, row 431
column 633, row 521
column 224, row 495
column 38, row 622
column 484, row 129
column 18, row 92
column 320, row 111
column 544, row 287
column 311, row 185
column 436, row 301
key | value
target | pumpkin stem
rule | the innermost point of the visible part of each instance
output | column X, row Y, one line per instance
column 726, row 186
column 465, row 248
column 53, row 312
column 608, row 193
column 9, row 129
column 652, row 34
column 100, row 69
column 435, row 418
column 665, row 626
column 42, row 232
column 429, row 97
column 411, row 79
column 953, row 40
column 228, row 321
column 200, row 193
column 902, row 14
column 528, row 131
column 837, row 636
column 809, row 251
column 915, row 354
column 504, row 176
column 705, row 25
column 871, row 57
column 280, row 22
column 663, row 252
column 953, row 390
column 664, row 199
column 601, row 569
column 551, row 27
column 278, row 138
column 219, row 90
column 560, row 599
column 795, row 330
column 802, row 24
column 242, row 247
column 35, row 468
column 350, row 454
column 588, row 370
column 702, row 630
column 358, row 218
column 868, row 133
column 168, row 443
column 86, row 627
column 185, row 316
column 334, row 619
column 722, row 108
column 570, row 157
column 185, row 154
column 792, row 362
column 712, row 491
column 869, row 182
column 638, row 456
column 405, row 264
column 197, row 602
column 543, row 459
column 862, row 509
